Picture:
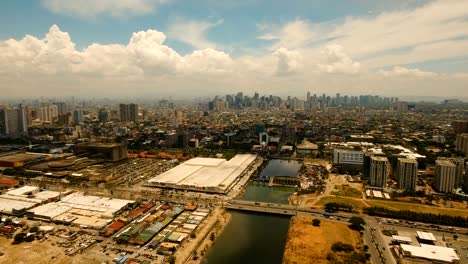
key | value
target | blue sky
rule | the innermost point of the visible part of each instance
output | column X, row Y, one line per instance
column 369, row 45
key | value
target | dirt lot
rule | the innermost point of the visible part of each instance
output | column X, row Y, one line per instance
column 40, row 253
column 310, row 244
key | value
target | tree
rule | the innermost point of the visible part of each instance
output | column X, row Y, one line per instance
column 34, row 229
column 18, row 238
column 171, row 259
column 315, row 222
column 8, row 221
column 29, row 238
column 212, row 237
column 357, row 223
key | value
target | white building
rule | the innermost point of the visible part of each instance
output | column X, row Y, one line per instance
column 348, row 157
column 445, row 175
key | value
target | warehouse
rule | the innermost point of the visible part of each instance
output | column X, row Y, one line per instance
column 433, row 254
column 17, row 201
column 205, row 174
column 82, row 210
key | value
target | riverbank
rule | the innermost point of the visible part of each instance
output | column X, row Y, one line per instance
column 194, row 251
column 312, row 244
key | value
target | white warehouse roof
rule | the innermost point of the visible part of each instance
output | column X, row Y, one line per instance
column 201, row 173
column 430, row 252
column 426, row 236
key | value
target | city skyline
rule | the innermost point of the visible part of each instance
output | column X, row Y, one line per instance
column 170, row 48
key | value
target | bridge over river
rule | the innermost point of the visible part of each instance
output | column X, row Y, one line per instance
column 278, row 209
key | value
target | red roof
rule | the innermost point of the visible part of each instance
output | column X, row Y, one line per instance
column 9, row 182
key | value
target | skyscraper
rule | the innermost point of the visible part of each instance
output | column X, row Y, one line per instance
column 128, row 112
column 378, row 171
column 61, row 107
column 77, row 116
column 461, row 143
column 445, row 175
column 407, row 173
column 13, row 122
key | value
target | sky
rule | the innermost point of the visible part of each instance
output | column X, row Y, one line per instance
column 187, row 49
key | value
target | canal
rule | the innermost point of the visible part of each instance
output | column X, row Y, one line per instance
column 256, row 238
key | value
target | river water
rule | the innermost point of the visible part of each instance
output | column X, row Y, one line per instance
column 256, row 238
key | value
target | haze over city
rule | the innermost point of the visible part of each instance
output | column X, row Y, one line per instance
column 184, row 49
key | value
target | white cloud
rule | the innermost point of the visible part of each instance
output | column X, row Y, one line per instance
column 337, row 61
column 288, row 61
column 435, row 31
column 399, row 71
column 53, row 65
column 193, row 32
column 92, row 8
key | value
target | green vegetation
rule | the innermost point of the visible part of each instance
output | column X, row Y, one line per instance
column 357, row 223
column 389, row 232
column 418, row 217
column 315, row 222
column 34, row 229
column 334, row 207
column 330, row 199
column 339, row 246
column 19, row 238
column 347, row 191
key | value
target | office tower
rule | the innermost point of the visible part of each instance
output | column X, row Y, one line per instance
column 338, row 99
column 407, row 170
column 48, row 113
column 128, row 112
column 13, row 122
column 64, row 119
column 61, row 107
column 460, row 126
column 103, row 115
column 378, row 171
column 3, row 123
column 78, row 117
column 445, row 175
column 461, row 143
column 308, row 97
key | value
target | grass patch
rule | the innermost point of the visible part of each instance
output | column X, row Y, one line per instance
column 342, row 190
column 419, row 208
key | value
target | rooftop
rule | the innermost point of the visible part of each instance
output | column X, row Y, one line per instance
column 433, row 253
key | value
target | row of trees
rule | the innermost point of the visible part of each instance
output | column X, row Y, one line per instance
column 334, row 207
column 418, row 217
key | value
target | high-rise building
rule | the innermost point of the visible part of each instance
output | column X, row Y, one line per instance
column 460, row 126
column 103, row 115
column 407, row 170
column 61, row 108
column 461, row 143
column 128, row 112
column 13, row 122
column 445, row 175
column 378, row 171
column 78, row 116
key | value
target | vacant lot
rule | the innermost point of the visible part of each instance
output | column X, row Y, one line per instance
column 41, row 253
column 328, row 199
column 344, row 190
column 418, row 208
column 311, row 244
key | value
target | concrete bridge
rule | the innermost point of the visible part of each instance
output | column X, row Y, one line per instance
column 277, row 209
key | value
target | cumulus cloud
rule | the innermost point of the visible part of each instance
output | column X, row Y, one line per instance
column 92, row 8
column 337, row 61
column 53, row 65
column 193, row 32
column 288, row 61
column 399, row 71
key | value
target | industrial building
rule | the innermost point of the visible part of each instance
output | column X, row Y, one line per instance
column 205, row 174
column 19, row 159
column 83, row 210
column 108, row 151
column 430, row 253
column 17, row 201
